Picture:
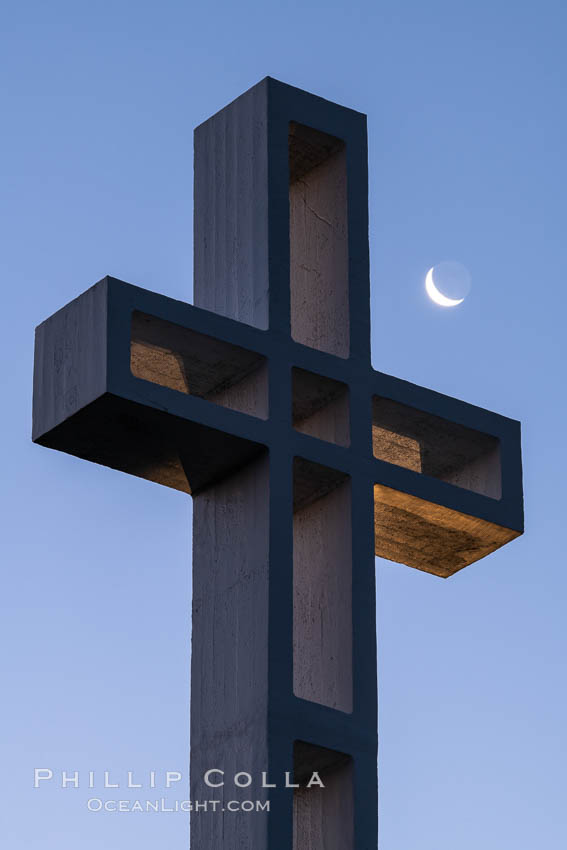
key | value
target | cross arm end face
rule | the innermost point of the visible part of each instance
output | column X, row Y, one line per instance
column 125, row 378
column 448, row 478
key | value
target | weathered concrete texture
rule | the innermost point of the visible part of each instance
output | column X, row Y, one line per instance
column 322, row 600
column 192, row 363
column 77, row 408
column 318, row 238
column 434, row 446
column 231, row 259
column 323, row 818
column 320, row 407
column 431, row 537
column 312, row 481
column 229, row 660
column 70, row 362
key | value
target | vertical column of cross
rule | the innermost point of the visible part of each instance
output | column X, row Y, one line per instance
column 319, row 294
column 281, row 242
column 364, row 589
column 231, row 520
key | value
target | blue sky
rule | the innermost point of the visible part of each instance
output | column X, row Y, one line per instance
column 467, row 133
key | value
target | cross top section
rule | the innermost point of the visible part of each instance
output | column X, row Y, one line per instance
column 281, row 238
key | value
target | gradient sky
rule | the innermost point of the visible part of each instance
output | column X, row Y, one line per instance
column 467, row 139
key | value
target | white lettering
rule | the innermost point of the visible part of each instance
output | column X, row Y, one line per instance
column 172, row 776
column 315, row 780
column 247, row 780
column 40, row 774
column 132, row 784
column 265, row 783
column 67, row 780
column 287, row 782
column 208, row 775
column 107, row 782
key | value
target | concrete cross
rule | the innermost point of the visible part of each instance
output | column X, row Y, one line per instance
column 303, row 462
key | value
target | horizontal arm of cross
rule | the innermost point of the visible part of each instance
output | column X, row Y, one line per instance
column 182, row 396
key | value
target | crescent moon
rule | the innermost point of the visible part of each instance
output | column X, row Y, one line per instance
column 437, row 296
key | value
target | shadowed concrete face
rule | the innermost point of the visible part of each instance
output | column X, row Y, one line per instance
column 318, row 238
column 322, row 599
column 320, row 407
column 230, row 651
column 434, row 446
column 323, row 817
column 193, row 363
column 303, row 462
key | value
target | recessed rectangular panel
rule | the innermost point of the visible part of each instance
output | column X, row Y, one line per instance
column 323, row 817
column 431, row 537
column 434, row 446
column 322, row 586
column 196, row 364
column 318, row 238
column 320, row 407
